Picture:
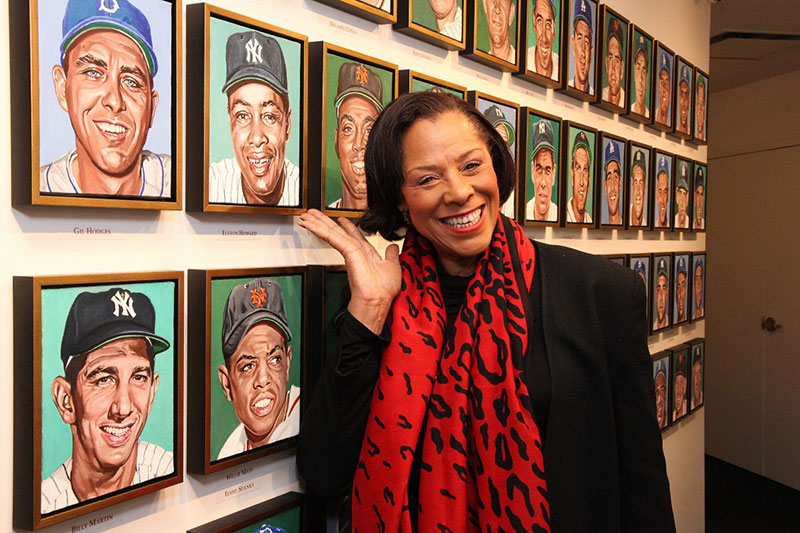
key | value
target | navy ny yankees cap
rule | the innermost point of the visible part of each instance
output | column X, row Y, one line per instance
column 260, row 300
column 251, row 55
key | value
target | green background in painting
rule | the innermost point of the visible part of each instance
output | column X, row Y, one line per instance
column 532, row 35
column 648, row 45
column 219, row 137
column 681, row 163
column 624, row 44
column 422, row 13
column 332, row 170
column 705, row 189
column 335, row 286
column 418, row 85
column 223, row 416
column 533, row 120
column 573, row 131
column 483, row 26
column 288, row 520
column 160, row 426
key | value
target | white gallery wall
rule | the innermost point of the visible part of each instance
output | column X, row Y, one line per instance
column 44, row 241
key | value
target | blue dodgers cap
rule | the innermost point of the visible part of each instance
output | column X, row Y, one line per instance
column 662, row 166
column 582, row 12
column 661, row 367
column 82, row 16
column 684, row 75
column 665, row 61
column 612, row 154
column 639, row 266
column 698, row 263
column 680, row 266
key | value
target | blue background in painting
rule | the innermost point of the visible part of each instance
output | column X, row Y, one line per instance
column 620, row 148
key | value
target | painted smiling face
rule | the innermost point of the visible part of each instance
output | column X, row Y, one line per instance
column 356, row 117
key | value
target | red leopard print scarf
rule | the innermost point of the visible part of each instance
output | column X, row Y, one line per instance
column 481, row 465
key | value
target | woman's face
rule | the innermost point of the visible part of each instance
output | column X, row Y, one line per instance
column 450, row 189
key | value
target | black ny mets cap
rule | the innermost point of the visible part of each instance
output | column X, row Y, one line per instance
column 260, row 300
column 251, row 55
column 97, row 318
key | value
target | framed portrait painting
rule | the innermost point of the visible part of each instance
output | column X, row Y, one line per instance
column 541, row 35
column 248, row 367
column 699, row 187
column 684, row 98
column 578, row 201
column 662, row 383
column 543, row 171
column 680, row 383
column 660, row 293
column 612, row 178
column 503, row 115
column 698, row 274
column 412, row 81
column 438, row 22
column 682, row 213
column 662, row 190
column 493, row 33
column 639, row 185
column 351, row 90
column 641, row 265
column 680, row 291
column 640, row 75
column 700, row 135
column 98, row 396
column 287, row 513
column 697, row 348
column 663, row 118
column 250, row 143
column 377, row 11
column 96, row 103
column 620, row 259
column 612, row 71
column 578, row 61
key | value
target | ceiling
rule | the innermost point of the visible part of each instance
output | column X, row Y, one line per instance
column 753, row 40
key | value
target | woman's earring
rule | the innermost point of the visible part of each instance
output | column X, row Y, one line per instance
column 406, row 216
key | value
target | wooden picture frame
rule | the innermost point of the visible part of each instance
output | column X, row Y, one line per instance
column 576, row 10
column 417, row 19
column 699, row 196
column 497, row 111
column 642, row 265
column 96, row 317
column 661, row 293
column 225, row 305
column 682, row 194
column 537, row 175
column 412, row 81
column 639, row 185
column 684, row 99
column 260, row 55
column 697, row 360
column 663, row 164
column 681, row 287
column 545, row 25
column 332, row 66
column 385, row 13
column 700, row 127
column 612, row 64
column 662, row 373
column 140, row 140
column 571, row 132
column 611, row 202
column 664, row 88
column 479, row 41
column 640, row 87
column 290, row 512
column 679, row 399
column 698, row 312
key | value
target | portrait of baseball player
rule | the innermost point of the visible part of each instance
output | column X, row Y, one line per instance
column 612, row 182
column 113, row 365
column 661, row 293
column 419, row 85
column 614, row 59
column 699, row 286
column 663, row 190
column 701, row 109
column 356, row 94
column 504, row 119
column 105, row 122
column 663, row 105
column 684, row 122
column 680, row 389
column 443, row 16
column 680, row 306
column 641, row 74
column 682, row 194
column 661, row 381
column 699, row 200
column 255, row 96
column 544, row 38
column 639, row 185
column 581, row 50
column 641, row 265
column 580, row 185
column 260, row 394
column 497, row 32
column 696, row 398
column 543, row 171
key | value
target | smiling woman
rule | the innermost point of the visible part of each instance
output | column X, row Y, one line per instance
column 551, row 342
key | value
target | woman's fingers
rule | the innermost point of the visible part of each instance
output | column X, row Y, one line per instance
column 329, row 231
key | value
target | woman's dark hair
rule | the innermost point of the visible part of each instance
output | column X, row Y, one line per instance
column 384, row 156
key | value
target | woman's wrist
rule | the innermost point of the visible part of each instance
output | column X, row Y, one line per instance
column 372, row 314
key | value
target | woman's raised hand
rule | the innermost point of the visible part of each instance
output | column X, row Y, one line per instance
column 374, row 280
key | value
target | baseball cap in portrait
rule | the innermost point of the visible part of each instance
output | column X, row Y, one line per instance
column 612, row 153
column 543, row 138
column 582, row 11
column 251, row 55
column 259, row 300
column 496, row 116
column 358, row 79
